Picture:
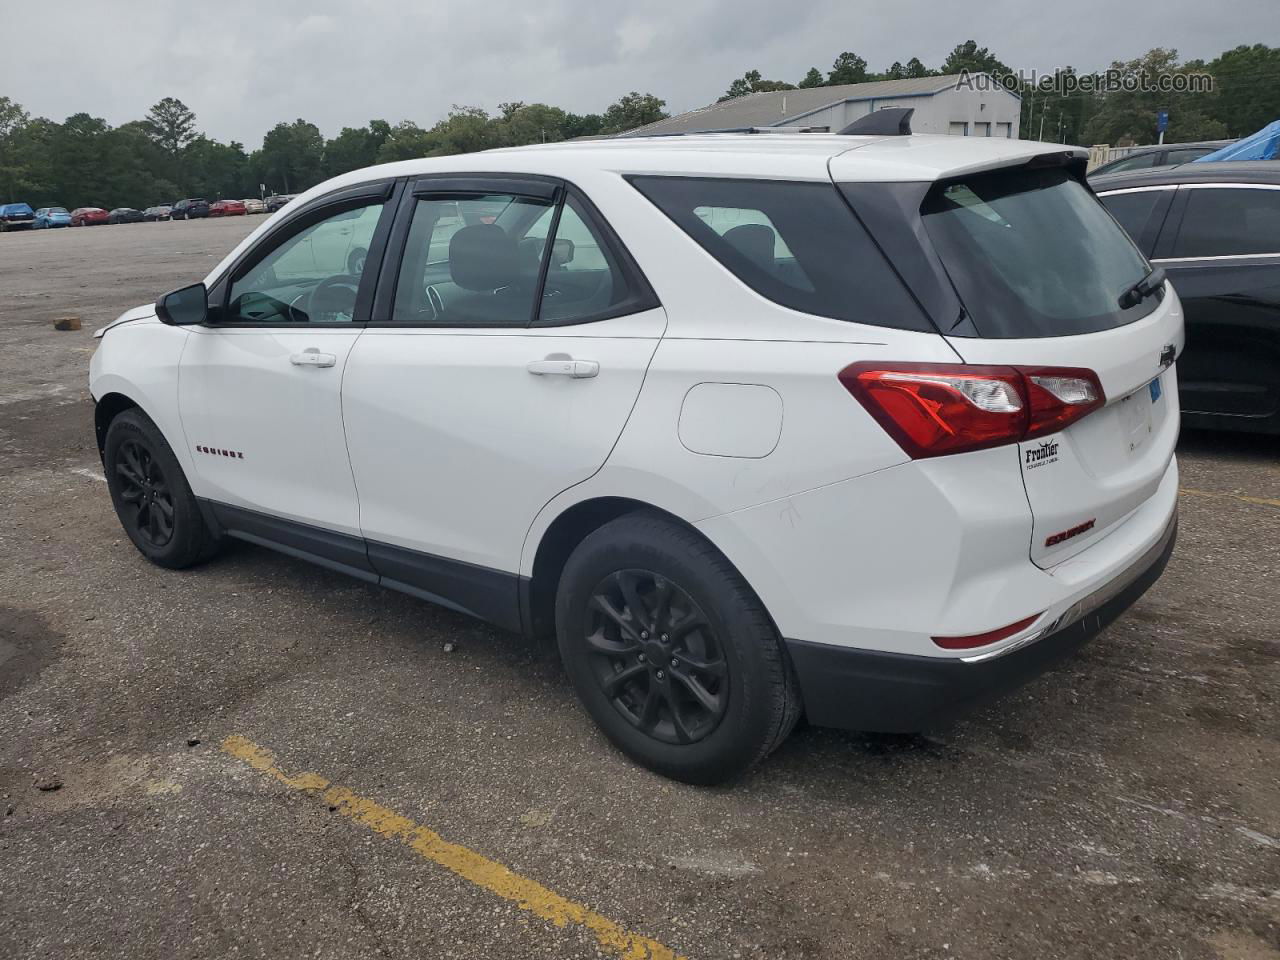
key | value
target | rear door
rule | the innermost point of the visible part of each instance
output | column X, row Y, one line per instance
column 511, row 337
column 1221, row 249
column 1040, row 268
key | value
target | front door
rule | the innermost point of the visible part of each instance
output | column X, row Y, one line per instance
column 504, row 374
column 260, row 386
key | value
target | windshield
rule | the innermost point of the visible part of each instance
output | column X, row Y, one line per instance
column 1032, row 253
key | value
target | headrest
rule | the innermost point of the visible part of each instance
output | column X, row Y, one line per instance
column 755, row 241
column 483, row 257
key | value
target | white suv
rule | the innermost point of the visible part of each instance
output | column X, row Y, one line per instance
column 865, row 428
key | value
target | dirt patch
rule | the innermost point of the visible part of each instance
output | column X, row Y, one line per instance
column 27, row 646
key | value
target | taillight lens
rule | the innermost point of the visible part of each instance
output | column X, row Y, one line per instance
column 1060, row 396
column 934, row 409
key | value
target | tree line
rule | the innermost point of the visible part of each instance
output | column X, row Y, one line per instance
column 163, row 156
column 84, row 161
column 1245, row 94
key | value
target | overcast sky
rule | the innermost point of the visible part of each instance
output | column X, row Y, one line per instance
column 243, row 66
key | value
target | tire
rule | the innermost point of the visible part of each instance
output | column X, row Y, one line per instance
column 748, row 701
column 151, row 495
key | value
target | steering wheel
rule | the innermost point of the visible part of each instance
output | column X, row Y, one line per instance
column 332, row 297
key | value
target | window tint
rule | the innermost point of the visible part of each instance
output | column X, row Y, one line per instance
column 471, row 261
column 313, row 276
column 1133, row 210
column 1032, row 253
column 796, row 243
column 1138, row 162
column 1229, row 222
column 1187, row 154
column 583, row 278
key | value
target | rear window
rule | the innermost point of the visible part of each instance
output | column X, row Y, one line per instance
column 795, row 243
column 1032, row 253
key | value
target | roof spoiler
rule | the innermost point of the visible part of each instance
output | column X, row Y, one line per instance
column 889, row 122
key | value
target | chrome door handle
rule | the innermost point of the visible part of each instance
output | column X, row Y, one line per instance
column 313, row 358
column 564, row 367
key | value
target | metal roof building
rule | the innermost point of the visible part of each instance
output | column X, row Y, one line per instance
column 964, row 106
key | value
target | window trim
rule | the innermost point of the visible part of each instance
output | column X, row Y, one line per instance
column 313, row 212
column 535, row 186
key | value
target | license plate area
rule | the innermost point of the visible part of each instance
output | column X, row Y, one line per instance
column 1135, row 414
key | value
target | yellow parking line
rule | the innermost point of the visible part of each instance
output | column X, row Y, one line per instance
column 1260, row 501
column 492, row 876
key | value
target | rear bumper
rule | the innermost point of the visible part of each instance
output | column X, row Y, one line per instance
column 901, row 693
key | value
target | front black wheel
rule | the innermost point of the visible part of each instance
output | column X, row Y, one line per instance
column 151, row 496
column 671, row 652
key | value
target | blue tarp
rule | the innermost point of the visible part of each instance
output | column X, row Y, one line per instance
column 1262, row 145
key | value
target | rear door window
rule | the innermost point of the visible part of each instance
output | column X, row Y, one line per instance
column 1134, row 209
column 1032, row 253
column 1229, row 222
column 796, row 243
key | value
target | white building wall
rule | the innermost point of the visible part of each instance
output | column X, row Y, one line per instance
column 971, row 113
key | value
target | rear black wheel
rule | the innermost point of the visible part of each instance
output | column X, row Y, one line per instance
column 151, row 496
column 671, row 652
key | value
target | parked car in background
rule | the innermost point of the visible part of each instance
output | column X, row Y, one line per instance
column 975, row 472
column 1164, row 155
column 278, row 201
column 254, row 205
column 191, row 209
column 124, row 215
column 158, row 212
column 226, row 208
column 1215, row 229
column 88, row 216
column 16, row 216
column 47, row 217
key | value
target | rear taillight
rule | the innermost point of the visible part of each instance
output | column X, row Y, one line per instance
column 934, row 409
column 1059, row 397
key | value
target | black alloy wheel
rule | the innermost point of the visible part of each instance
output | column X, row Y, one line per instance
column 145, row 490
column 656, row 656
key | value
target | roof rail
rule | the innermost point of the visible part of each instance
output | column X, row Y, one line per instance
column 889, row 122
column 693, row 133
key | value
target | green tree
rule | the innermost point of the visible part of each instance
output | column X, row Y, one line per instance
column 12, row 120
column 752, row 82
column 582, row 125
column 633, row 110
column 405, row 141
column 969, row 56
column 355, row 147
column 1129, row 116
column 1246, row 95
column 171, row 125
column 812, row 79
column 218, row 170
column 292, row 156
column 915, row 69
column 523, row 123
column 848, row 68
column 465, row 130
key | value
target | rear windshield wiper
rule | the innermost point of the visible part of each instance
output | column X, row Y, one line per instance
column 1134, row 295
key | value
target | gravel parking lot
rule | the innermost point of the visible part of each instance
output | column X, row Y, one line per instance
column 157, row 730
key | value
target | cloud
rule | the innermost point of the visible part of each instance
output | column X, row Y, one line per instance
column 243, row 65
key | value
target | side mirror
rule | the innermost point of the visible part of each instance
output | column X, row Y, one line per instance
column 184, row 307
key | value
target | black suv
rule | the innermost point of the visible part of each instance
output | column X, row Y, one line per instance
column 192, row 209
column 1215, row 228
